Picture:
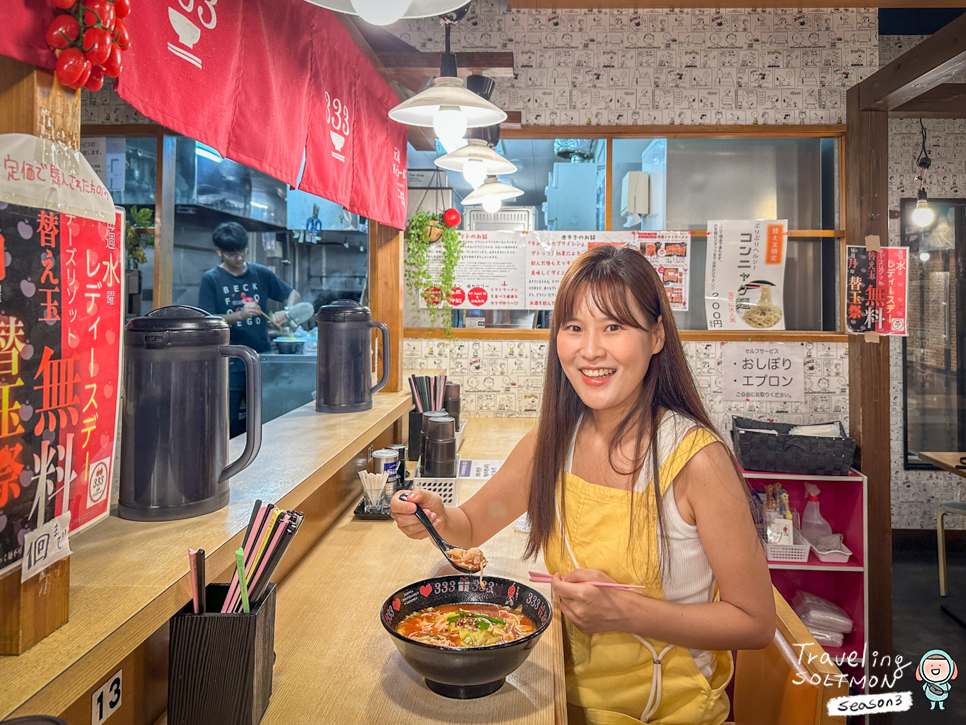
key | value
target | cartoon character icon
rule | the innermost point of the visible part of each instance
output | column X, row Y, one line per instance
column 936, row 669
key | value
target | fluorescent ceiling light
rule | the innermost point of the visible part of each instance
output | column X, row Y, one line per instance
column 384, row 9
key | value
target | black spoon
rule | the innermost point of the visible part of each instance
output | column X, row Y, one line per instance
column 438, row 540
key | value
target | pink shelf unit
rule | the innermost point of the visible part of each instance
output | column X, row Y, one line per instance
column 843, row 502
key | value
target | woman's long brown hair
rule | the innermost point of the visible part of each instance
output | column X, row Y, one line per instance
column 612, row 277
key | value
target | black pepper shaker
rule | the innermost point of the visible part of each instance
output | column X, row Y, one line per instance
column 440, row 461
column 451, row 402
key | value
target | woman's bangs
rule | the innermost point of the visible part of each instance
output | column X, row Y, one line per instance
column 608, row 290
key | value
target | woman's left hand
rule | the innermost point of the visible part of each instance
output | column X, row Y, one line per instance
column 592, row 609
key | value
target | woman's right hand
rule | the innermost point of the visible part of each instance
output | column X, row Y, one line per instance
column 404, row 512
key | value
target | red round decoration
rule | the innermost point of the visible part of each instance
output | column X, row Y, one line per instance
column 451, row 217
column 63, row 31
column 122, row 8
column 112, row 66
column 73, row 69
column 64, row 4
column 96, row 80
column 97, row 45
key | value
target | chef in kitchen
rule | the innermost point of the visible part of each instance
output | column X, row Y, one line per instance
column 236, row 289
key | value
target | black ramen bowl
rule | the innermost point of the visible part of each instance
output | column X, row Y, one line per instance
column 465, row 672
column 290, row 347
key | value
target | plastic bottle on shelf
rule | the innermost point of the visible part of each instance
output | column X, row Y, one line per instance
column 814, row 526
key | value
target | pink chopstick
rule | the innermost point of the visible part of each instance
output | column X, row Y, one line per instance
column 539, row 577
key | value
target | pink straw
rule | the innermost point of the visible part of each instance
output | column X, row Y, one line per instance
column 539, row 577
column 233, row 589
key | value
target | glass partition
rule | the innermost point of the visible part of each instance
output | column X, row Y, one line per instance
column 934, row 380
column 671, row 184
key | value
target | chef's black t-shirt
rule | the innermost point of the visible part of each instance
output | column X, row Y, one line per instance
column 222, row 292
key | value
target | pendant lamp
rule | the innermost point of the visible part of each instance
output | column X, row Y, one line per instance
column 386, row 12
column 449, row 107
column 492, row 194
column 477, row 161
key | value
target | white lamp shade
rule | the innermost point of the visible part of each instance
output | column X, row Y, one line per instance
column 421, row 109
column 495, row 164
column 494, row 189
column 380, row 12
column 416, row 9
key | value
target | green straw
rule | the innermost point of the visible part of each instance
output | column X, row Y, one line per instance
column 240, row 563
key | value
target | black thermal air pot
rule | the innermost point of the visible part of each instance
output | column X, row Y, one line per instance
column 344, row 383
column 174, row 420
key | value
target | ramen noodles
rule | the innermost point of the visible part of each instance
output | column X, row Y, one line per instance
column 468, row 624
column 765, row 314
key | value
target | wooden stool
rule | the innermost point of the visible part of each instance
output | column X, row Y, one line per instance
column 953, row 507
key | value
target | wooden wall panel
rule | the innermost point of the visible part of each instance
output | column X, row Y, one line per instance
column 867, row 149
column 386, row 292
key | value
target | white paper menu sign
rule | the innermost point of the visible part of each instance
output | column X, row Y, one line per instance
column 45, row 545
column 550, row 254
column 670, row 254
column 773, row 371
column 491, row 273
column 744, row 274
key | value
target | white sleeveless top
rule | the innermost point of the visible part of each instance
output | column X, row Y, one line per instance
column 688, row 579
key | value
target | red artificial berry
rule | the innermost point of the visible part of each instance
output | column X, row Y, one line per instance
column 96, row 79
column 451, row 217
column 97, row 45
column 112, row 66
column 122, row 8
column 63, row 31
column 72, row 68
column 121, row 35
column 64, row 4
column 99, row 13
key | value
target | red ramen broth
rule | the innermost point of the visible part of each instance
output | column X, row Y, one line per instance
column 469, row 624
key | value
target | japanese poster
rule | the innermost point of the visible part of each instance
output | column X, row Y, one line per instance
column 773, row 371
column 670, row 254
column 490, row 274
column 745, row 273
column 877, row 290
column 550, row 254
column 61, row 312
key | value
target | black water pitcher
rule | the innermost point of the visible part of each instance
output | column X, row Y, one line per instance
column 174, row 420
column 343, row 377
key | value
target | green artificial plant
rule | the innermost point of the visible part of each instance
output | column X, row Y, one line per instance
column 137, row 224
column 424, row 231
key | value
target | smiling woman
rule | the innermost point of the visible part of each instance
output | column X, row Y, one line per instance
column 626, row 480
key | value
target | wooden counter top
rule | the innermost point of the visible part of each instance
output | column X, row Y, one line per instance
column 128, row 577
column 335, row 661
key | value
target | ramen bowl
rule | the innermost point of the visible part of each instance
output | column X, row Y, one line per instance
column 465, row 672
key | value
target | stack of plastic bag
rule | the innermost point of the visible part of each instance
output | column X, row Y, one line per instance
column 827, row 622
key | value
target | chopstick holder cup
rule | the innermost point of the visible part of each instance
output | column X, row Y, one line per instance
column 220, row 665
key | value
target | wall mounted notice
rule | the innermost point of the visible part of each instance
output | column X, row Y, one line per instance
column 763, row 371
column 490, row 274
column 745, row 273
column 877, row 290
column 670, row 254
column 517, row 270
column 61, row 309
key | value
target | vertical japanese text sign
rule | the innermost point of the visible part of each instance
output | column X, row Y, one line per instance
column 877, row 290
column 60, row 328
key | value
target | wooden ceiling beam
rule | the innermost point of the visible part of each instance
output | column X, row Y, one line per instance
column 945, row 101
column 614, row 4
column 495, row 64
column 931, row 63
